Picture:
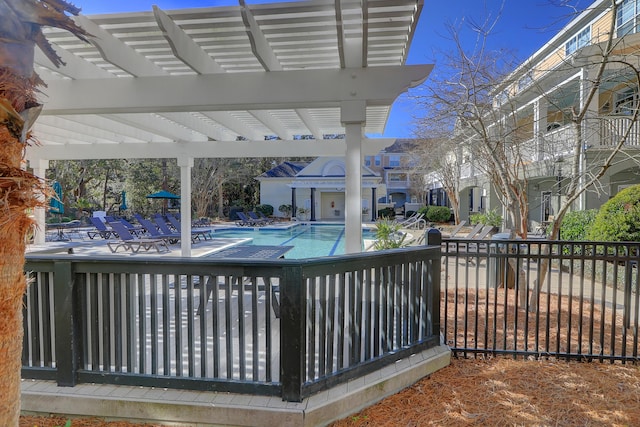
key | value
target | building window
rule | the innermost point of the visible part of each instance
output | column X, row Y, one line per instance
column 627, row 18
column 367, row 160
column 525, row 80
column 502, row 97
column 397, row 177
column 394, row 161
column 378, row 161
column 580, row 40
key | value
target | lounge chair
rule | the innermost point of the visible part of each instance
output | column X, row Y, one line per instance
column 136, row 230
column 175, row 223
column 414, row 221
column 101, row 229
column 456, row 229
column 264, row 217
column 203, row 233
column 257, row 219
column 244, row 221
column 410, row 219
column 154, row 232
column 130, row 243
column 476, row 229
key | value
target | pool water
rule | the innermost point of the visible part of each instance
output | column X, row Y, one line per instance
column 309, row 241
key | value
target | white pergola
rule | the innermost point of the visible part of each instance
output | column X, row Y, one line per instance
column 239, row 81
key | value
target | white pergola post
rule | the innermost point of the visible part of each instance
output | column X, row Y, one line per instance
column 185, row 164
column 353, row 117
column 40, row 167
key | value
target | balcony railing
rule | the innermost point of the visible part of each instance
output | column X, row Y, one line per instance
column 613, row 129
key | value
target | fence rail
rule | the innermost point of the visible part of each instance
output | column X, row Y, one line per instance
column 537, row 298
column 274, row 327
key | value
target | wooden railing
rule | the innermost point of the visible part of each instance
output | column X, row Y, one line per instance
column 269, row 327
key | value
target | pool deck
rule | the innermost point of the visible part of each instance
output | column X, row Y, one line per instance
column 80, row 244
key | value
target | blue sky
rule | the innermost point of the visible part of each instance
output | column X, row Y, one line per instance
column 523, row 27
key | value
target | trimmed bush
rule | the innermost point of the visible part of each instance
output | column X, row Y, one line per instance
column 286, row 210
column 438, row 214
column 424, row 210
column 387, row 213
column 488, row 218
column 576, row 225
column 267, row 210
column 618, row 220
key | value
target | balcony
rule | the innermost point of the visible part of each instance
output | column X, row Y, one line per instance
column 613, row 128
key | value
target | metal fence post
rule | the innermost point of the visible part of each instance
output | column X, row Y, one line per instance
column 435, row 280
column 293, row 340
column 67, row 318
column 433, row 237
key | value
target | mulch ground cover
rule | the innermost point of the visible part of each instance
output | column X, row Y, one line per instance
column 494, row 392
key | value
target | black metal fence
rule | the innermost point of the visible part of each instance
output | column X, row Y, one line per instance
column 274, row 327
column 538, row 298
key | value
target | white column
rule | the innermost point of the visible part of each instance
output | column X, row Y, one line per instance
column 590, row 131
column 186, row 164
column 353, row 116
column 540, row 127
column 40, row 167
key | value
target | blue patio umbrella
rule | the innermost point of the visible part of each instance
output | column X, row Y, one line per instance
column 163, row 194
column 55, row 205
column 123, row 204
column 166, row 196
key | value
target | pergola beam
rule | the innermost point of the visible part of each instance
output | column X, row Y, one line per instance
column 209, row 149
column 225, row 92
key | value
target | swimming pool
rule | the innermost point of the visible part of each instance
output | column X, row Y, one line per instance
column 308, row 240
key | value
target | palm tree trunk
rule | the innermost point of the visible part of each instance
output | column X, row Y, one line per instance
column 20, row 22
column 16, row 196
column 12, row 287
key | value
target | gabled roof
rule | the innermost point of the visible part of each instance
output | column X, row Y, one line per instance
column 285, row 170
column 402, row 146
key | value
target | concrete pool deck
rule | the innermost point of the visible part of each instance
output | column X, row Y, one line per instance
column 80, row 244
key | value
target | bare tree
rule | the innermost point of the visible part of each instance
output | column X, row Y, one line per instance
column 485, row 106
column 608, row 61
column 460, row 110
column 440, row 162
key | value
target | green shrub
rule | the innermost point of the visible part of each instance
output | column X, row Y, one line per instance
column 424, row 210
column 618, row 220
column 387, row 213
column 576, row 225
column 285, row 209
column 438, row 214
column 388, row 235
column 267, row 210
column 487, row 218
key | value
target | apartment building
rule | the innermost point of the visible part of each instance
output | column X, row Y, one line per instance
column 539, row 101
column 394, row 164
